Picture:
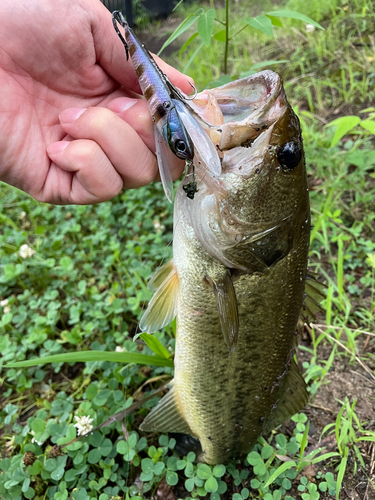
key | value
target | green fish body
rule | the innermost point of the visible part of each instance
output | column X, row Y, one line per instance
column 237, row 279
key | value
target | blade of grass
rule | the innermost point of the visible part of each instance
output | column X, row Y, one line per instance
column 86, row 356
column 285, row 466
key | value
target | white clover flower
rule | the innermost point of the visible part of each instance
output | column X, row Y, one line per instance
column 22, row 215
column 83, row 425
column 26, row 251
column 310, row 28
column 34, row 440
column 156, row 224
column 4, row 304
column 120, row 349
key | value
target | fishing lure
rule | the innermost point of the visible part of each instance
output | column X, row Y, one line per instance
column 161, row 96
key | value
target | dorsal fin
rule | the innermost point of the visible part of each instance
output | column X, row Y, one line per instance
column 226, row 302
column 314, row 294
column 293, row 397
column 166, row 416
column 162, row 307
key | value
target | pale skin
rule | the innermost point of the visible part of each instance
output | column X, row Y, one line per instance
column 74, row 129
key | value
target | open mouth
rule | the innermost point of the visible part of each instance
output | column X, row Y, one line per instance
column 246, row 108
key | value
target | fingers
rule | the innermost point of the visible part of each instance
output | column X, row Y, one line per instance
column 80, row 174
column 106, row 154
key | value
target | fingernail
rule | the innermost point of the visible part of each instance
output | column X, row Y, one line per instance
column 57, row 147
column 69, row 115
column 122, row 104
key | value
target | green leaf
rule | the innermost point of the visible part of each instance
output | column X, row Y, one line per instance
column 211, row 485
column 304, row 439
column 264, row 64
column 57, row 474
column 253, row 458
column 368, row 125
column 206, row 26
column 50, row 464
column 204, row 471
column 267, row 451
column 188, row 42
column 158, row 468
column 326, row 456
column 285, row 466
column 261, row 23
column 25, row 484
column 291, row 14
column 220, row 36
column 275, row 21
column 184, row 26
column 86, row 356
column 189, row 484
column 38, row 425
column 66, row 263
column 219, row 470
column 344, row 124
column 171, row 478
column 155, row 345
column 193, row 56
column 341, row 473
column 94, row 456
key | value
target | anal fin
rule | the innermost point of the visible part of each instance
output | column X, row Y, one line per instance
column 293, row 397
column 166, row 416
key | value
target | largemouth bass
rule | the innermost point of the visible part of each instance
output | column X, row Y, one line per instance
column 238, row 275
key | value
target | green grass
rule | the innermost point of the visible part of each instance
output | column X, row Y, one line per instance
column 328, row 71
column 84, row 288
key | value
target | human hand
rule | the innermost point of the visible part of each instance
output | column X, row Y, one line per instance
column 67, row 89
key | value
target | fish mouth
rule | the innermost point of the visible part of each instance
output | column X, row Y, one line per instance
column 244, row 109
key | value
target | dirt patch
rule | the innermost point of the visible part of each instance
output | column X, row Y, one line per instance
column 345, row 379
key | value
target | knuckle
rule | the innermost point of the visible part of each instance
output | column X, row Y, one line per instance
column 82, row 153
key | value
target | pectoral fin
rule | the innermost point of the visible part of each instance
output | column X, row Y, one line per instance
column 226, row 302
column 162, row 307
column 166, row 416
column 160, row 275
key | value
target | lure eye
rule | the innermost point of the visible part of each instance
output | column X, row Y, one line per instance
column 290, row 155
column 180, row 146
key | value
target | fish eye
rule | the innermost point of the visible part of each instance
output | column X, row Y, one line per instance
column 290, row 155
column 180, row 146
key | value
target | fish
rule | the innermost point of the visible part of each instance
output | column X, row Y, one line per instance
column 238, row 282
column 160, row 95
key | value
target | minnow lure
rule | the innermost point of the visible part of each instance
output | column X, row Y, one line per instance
column 161, row 96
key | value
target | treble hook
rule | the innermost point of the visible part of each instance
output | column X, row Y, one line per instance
column 117, row 17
